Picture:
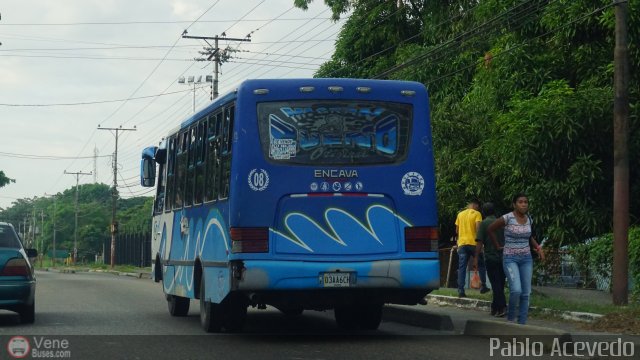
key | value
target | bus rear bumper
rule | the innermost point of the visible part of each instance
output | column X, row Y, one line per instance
column 417, row 274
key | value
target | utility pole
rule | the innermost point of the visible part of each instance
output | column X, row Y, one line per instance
column 621, row 158
column 34, row 242
column 53, row 219
column 215, row 53
column 114, row 191
column 95, row 164
column 75, row 229
column 41, row 236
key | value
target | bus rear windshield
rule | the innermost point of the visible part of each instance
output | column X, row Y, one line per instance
column 334, row 132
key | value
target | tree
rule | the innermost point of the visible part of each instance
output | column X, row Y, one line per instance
column 94, row 217
column 4, row 180
column 521, row 98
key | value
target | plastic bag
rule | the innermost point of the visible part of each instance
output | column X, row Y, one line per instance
column 475, row 280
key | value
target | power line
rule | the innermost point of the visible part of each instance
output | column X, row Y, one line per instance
column 475, row 63
column 93, row 102
column 475, row 31
column 86, row 57
column 44, row 157
column 151, row 22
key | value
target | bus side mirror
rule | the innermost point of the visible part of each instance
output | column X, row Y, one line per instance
column 147, row 172
column 148, row 167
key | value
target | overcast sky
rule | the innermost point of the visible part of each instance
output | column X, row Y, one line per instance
column 56, row 55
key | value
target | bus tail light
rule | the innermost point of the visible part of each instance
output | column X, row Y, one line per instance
column 420, row 238
column 249, row 240
column 16, row 267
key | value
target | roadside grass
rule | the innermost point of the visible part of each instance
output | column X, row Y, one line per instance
column 542, row 301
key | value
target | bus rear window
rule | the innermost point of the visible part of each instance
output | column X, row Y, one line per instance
column 334, row 132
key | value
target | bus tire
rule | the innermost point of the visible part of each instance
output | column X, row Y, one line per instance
column 209, row 312
column 157, row 274
column 346, row 317
column 178, row 305
column 234, row 308
column 370, row 316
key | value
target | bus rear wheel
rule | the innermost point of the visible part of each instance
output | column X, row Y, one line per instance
column 178, row 305
column 209, row 312
column 346, row 317
column 370, row 316
column 234, row 309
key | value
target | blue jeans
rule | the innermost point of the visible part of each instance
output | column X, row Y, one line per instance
column 465, row 253
column 518, row 270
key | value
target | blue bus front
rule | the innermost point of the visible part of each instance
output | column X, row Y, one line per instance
column 332, row 197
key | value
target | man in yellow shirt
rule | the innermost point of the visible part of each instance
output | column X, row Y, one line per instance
column 467, row 224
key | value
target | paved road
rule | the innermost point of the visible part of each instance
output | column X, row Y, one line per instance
column 71, row 306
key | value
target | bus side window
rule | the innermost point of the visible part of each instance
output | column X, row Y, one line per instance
column 225, row 161
column 162, row 179
column 200, row 162
column 191, row 166
column 210, row 192
column 171, row 163
column 181, row 169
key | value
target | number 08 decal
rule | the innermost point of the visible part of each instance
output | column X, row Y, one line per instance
column 258, row 179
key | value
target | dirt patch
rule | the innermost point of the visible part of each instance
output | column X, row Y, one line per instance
column 624, row 322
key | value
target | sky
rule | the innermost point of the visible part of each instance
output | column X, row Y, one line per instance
column 70, row 66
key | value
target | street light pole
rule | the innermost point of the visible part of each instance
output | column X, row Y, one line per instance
column 192, row 80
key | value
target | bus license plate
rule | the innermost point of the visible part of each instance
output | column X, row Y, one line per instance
column 341, row 279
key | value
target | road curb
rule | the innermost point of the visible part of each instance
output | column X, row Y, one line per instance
column 62, row 271
column 139, row 275
column 411, row 316
column 470, row 303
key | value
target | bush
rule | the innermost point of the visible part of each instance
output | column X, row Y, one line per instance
column 596, row 258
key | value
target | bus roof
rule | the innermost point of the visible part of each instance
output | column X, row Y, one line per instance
column 292, row 86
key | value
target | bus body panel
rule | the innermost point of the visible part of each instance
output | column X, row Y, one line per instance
column 336, row 226
column 199, row 234
column 289, row 275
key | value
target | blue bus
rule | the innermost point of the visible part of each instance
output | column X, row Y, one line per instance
column 300, row 194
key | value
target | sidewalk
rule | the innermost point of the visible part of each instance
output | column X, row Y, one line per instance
column 472, row 320
column 569, row 295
